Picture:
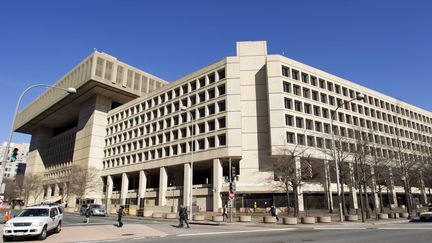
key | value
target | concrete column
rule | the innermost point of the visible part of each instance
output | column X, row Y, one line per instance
column 374, row 191
column 299, row 190
column 49, row 191
column 163, row 186
column 109, row 191
column 327, row 185
column 392, row 189
column 353, row 191
column 423, row 195
column 186, row 184
column 56, row 190
column 142, row 188
column 124, row 188
column 217, row 184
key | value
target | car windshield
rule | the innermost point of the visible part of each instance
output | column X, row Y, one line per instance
column 34, row 212
column 96, row 206
column 430, row 210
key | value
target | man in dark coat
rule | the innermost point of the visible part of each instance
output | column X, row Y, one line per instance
column 88, row 213
column 183, row 215
column 225, row 212
column 120, row 214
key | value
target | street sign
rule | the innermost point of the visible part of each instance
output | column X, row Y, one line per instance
column 231, row 196
column 229, row 203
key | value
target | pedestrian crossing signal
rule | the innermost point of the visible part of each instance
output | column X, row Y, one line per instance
column 14, row 155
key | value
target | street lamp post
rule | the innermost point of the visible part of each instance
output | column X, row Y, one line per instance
column 6, row 152
column 358, row 97
column 192, row 120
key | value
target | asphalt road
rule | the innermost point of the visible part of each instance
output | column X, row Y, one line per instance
column 348, row 232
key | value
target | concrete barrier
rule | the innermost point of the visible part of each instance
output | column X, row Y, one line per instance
column 324, row 219
column 289, row 220
column 157, row 215
column 171, row 216
column 217, row 218
column 308, row 220
column 403, row 215
column 198, row 217
column 383, row 216
column 396, row 215
column 148, row 213
column 269, row 219
column 245, row 218
column 351, row 217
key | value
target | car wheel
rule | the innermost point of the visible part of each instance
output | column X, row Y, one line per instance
column 6, row 239
column 58, row 228
column 43, row 234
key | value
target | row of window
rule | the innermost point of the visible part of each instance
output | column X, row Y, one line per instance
column 165, row 152
column 181, row 91
column 344, row 91
column 331, row 100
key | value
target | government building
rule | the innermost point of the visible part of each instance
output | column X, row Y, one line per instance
column 138, row 134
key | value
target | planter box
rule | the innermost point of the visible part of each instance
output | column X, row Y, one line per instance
column 245, row 218
column 324, row 219
column 383, row 216
column 403, row 215
column 289, row 220
column 351, row 218
column 217, row 218
column 171, row 216
column 198, row 217
column 148, row 213
column 392, row 215
column 157, row 215
column 269, row 219
column 308, row 220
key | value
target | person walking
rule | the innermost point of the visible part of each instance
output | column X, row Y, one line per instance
column 225, row 212
column 274, row 212
column 183, row 215
column 88, row 213
column 120, row 214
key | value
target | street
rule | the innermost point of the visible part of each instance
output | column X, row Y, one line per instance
column 103, row 229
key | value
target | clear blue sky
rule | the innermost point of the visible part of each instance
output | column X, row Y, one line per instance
column 383, row 45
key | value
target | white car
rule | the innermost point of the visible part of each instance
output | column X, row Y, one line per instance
column 34, row 221
column 426, row 216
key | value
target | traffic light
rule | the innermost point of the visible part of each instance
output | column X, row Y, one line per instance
column 233, row 172
column 14, row 155
column 232, row 187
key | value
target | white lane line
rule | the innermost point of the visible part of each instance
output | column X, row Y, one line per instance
column 340, row 228
column 235, row 232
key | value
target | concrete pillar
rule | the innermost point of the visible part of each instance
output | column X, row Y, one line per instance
column 142, row 188
column 124, row 189
column 49, row 191
column 392, row 189
column 109, row 190
column 374, row 189
column 327, row 185
column 56, row 190
column 163, row 186
column 186, row 184
column 423, row 195
column 299, row 194
column 217, row 184
column 352, row 190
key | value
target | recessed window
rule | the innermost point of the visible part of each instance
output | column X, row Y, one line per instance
column 285, row 71
column 290, row 137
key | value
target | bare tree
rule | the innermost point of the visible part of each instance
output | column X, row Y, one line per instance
column 31, row 187
column 288, row 174
column 82, row 181
column 13, row 189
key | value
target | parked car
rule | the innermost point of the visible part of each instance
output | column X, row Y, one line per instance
column 34, row 221
column 95, row 210
column 426, row 216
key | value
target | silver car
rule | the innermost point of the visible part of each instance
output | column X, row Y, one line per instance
column 95, row 210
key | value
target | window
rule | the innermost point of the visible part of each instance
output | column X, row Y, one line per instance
column 309, row 124
column 299, row 122
column 298, row 106
column 300, row 139
column 307, row 108
column 310, row 141
column 286, row 87
column 313, row 80
column 290, row 137
column 305, row 78
column 296, row 90
column 288, row 103
column 285, row 71
column 222, row 140
column 289, row 120
column 295, row 74
column 306, row 93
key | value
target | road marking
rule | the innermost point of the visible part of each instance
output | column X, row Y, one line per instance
column 235, row 232
column 341, row 228
column 405, row 228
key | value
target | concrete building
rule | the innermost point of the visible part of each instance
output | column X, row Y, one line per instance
column 136, row 131
column 17, row 167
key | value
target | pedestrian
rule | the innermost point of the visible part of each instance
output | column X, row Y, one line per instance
column 225, row 212
column 372, row 206
column 121, row 213
column 183, row 215
column 347, row 205
column 254, row 206
column 87, row 213
column 274, row 212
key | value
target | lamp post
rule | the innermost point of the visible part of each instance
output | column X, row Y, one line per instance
column 358, row 97
column 192, row 120
column 70, row 90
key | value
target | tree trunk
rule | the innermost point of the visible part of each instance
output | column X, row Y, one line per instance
column 381, row 199
column 288, row 200
column 344, row 209
column 296, row 211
